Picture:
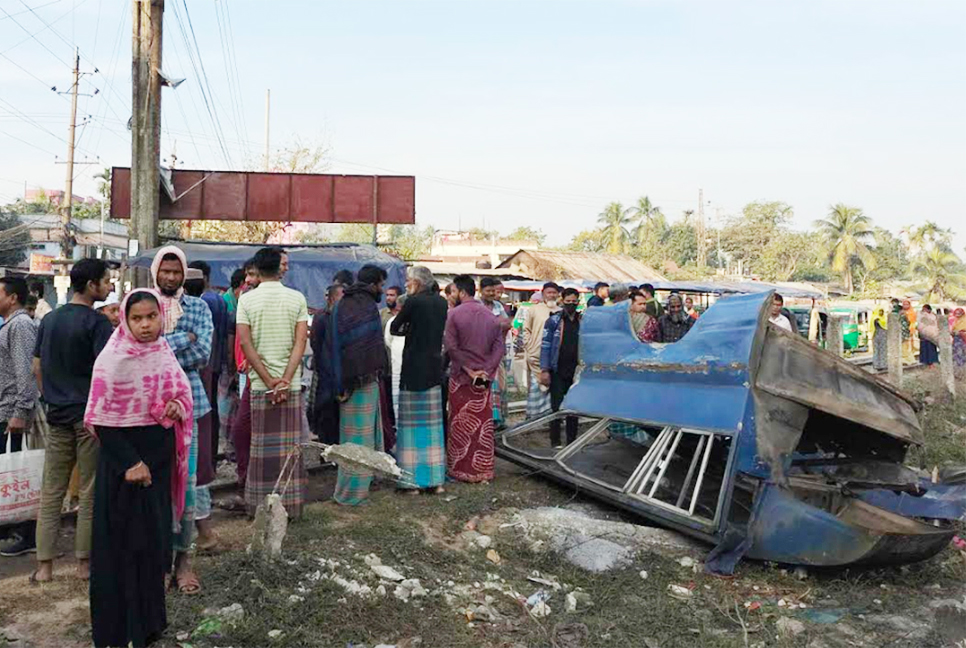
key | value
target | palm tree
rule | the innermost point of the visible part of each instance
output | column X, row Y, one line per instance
column 927, row 236
column 616, row 222
column 943, row 272
column 848, row 235
column 651, row 223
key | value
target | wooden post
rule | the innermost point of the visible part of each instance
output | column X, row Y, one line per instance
column 895, row 349
column 833, row 335
column 146, row 122
column 946, row 368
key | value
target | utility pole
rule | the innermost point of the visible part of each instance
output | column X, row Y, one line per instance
column 66, row 205
column 146, row 121
column 702, row 243
column 268, row 112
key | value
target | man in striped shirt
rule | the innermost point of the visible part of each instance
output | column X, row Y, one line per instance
column 272, row 326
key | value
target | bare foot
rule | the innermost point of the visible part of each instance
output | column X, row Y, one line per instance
column 45, row 571
column 439, row 490
column 84, row 569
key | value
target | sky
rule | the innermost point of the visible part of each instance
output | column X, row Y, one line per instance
column 524, row 112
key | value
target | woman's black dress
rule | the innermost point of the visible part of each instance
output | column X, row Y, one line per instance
column 131, row 544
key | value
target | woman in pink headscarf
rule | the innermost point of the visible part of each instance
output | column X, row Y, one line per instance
column 140, row 408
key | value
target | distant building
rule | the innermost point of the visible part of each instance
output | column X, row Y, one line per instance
column 46, row 232
column 579, row 266
column 459, row 247
column 55, row 196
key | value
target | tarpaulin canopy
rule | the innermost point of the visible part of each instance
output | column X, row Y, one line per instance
column 310, row 267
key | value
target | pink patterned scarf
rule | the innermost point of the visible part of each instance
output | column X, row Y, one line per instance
column 132, row 383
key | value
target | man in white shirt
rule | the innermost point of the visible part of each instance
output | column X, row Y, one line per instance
column 777, row 318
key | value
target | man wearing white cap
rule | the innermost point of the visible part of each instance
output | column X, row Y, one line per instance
column 110, row 308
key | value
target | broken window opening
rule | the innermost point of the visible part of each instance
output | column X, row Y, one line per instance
column 610, row 453
column 533, row 438
column 684, row 470
column 837, row 440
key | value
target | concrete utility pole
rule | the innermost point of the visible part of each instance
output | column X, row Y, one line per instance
column 268, row 112
column 833, row 335
column 66, row 206
column 894, row 356
column 946, row 361
column 146, row 121
column 702, row 243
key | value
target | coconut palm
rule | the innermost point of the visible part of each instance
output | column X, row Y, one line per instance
column 848, row 235
column 616, row 222
column 943, row 273
column 651, row 223
column 927, row 236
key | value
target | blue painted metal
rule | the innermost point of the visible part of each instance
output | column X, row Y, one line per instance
column 940, row 501
column 702, row 382
column 707, row 382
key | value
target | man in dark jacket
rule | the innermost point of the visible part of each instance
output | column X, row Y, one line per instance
column 600, row 295
column 420, row 446
column 559, row 359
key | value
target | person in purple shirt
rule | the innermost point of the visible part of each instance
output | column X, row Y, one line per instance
column 474, row 341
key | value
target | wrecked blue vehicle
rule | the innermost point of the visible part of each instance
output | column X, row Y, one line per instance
column 747, row 437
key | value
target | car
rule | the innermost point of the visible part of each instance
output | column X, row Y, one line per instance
column 748, row 437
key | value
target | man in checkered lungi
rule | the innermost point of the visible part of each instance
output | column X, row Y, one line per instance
column 420, row 445
column 360, row 360
column 272, row 325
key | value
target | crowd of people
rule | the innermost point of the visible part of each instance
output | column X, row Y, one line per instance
column 139, row 397
column 919, row 329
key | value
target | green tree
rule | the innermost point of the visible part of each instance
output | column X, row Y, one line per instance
column 650, row 227
column 848, row 237
column 745, row 236
column 680, row 244
column 482, row 234
column 616, row 222
column 587, row 241
column 14, row 239
column 943, row 273
column 410, row 242
column 526, row 234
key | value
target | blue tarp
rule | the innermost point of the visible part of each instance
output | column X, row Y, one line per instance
column 311, row 267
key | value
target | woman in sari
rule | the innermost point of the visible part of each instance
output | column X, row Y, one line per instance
column 928, row 328
column 878, row 327
column 138, row 394
column 959, row 343
column 645, row 326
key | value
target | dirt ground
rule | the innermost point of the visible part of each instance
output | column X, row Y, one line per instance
column 324, row 591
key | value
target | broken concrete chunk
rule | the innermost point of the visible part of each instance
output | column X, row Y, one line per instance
column 275, row 634
column 484, row 542
column 372, row 559
column 271, row 524
column 493, row 556
column 232, row 614
column 540, row 610
column 789, row 627
column 679, row 592
column 387, row 573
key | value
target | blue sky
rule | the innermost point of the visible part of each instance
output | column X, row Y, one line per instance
column 532, row 112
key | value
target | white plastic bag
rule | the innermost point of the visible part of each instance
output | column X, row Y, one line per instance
column 21, row 477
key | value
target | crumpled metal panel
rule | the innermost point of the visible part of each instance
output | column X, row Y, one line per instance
column 939, row 502
column 701, row 381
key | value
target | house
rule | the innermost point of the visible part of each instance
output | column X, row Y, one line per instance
column 588, row 266
column 46, row 234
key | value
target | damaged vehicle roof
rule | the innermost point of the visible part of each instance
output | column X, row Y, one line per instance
column 748, row 437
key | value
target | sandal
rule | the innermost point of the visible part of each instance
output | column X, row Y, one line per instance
column 187, row 584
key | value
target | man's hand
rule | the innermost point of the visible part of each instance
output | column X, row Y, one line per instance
column 280, row 397
column 545, row 378
column 192, row 337
column 172, row 410
column 138, row 474
column 16, row 425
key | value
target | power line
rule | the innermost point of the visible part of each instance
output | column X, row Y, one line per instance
column 37, row 7
column 42, row 150
column 204, row 75
column 42, row 44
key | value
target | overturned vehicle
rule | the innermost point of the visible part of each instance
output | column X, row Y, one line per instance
column 747, row 437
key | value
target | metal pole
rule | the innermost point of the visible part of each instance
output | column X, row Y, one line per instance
column 268, row 112
column 375, row 210
column 67, row 249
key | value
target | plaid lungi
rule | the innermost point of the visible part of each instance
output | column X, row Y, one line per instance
column 538, row 400
column 499, row 396
column 276, row 431
column 420, row 446
column 185, row 529
column 359, row 423
column 469, row 445
column 629, row 431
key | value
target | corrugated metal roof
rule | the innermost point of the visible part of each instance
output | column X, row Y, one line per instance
column 556, row 265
